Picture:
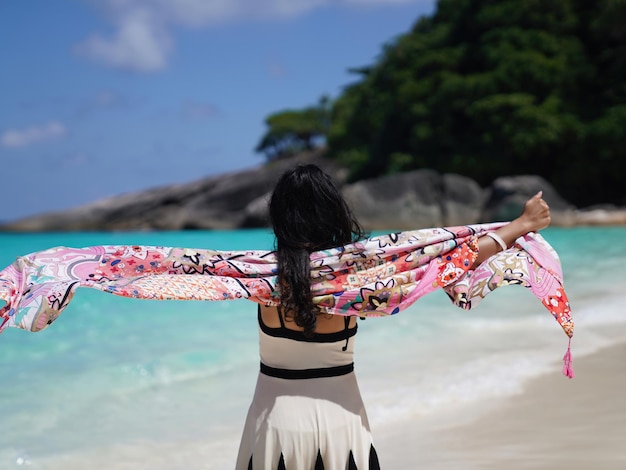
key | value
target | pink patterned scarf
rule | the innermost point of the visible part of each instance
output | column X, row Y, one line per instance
column 378, row 276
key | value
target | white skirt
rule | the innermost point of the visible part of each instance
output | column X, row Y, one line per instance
column 307, row 424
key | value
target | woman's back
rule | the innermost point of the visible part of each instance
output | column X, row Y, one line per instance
column 307, row 412
column 325, row 323
column 284, row 346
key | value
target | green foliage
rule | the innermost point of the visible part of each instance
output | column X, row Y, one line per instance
column 487, row 88
column 293, row 131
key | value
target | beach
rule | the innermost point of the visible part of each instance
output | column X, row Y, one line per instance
column 555, row 423
column 125, row 384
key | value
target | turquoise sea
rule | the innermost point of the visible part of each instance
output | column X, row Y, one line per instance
column 124, row 383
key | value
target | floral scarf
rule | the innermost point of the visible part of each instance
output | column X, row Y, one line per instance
column 378, row 276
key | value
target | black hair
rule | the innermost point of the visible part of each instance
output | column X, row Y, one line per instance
column 307, row 213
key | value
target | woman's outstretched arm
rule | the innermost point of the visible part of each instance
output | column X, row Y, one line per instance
column 534, row 217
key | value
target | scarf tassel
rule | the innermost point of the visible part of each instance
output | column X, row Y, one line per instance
column 568, row 370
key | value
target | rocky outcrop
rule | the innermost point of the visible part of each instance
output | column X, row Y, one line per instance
column 421, row 198
column 601, row 215
column 219, row 202
column 506, row 196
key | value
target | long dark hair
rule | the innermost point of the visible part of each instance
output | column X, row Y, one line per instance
column 307, row 213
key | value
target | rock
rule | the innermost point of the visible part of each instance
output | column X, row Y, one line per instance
column 416, row 199
column 217, row 202
column 506, row 197
column 463, row 200
column 257, row 213
column 403, row 201
column 608, row 215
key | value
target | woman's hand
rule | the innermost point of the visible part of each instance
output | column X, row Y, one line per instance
column 536, row 214
column 534, row 217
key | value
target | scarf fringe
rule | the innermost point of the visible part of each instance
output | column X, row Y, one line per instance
column 568, row 370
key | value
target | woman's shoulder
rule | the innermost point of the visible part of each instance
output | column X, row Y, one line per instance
column 274, row 317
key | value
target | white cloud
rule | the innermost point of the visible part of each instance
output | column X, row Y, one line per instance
column 142, row 39
column 141, row 42
column 21, row 138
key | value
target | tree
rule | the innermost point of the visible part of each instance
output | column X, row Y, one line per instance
column 293, row 131
column 487, row 88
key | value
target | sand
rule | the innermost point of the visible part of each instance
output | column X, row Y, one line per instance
column 555, row 423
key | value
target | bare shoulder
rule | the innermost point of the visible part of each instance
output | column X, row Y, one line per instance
column 325, row 323
column 269, row 315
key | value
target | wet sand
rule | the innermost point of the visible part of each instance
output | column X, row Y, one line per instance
column 555, row 423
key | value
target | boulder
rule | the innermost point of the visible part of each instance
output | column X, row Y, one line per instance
column 416, row 199
column 600, row 215
column 506, row 196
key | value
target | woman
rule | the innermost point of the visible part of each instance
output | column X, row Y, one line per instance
column 307, row 411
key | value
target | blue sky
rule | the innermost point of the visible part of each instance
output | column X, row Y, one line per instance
column 104, row 97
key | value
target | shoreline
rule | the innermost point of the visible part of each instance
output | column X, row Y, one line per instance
column 578, row 218
column 555, row 423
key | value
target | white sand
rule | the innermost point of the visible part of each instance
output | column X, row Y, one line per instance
column 556, row 423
